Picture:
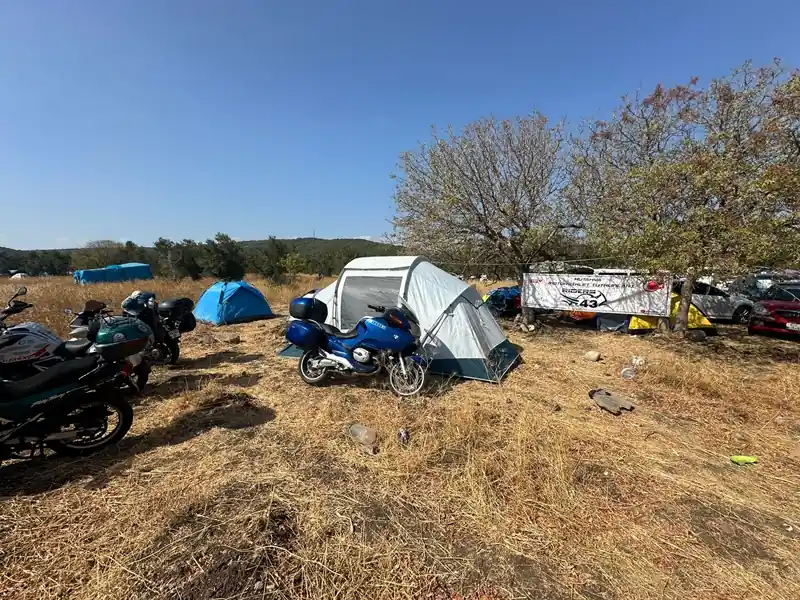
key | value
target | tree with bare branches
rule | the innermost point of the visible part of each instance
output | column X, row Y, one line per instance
column 490, row 194
column 691, row 180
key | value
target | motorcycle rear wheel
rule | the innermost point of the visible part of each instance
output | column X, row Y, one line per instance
column 309, row 374
column 112, row 403
column 174, row 351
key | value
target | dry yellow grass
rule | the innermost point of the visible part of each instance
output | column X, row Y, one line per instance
column 237, row 482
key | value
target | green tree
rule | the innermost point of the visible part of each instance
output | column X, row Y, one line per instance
column 293, row 264
column 224, row 258
column 98, row 254
column 267, row 259
column 180, row 259
column 691, row 181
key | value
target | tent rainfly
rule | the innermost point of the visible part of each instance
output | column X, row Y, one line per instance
column 113, row 273
column 458, row 333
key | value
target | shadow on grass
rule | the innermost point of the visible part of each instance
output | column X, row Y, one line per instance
column 185, row 382
column 232, row 357
column 41, row 474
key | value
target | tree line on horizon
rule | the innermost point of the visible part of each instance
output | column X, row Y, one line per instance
column 220, row 257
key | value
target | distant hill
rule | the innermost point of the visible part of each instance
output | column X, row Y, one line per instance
column 311, row 246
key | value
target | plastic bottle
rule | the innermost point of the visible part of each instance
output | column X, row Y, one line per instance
column 362, row 434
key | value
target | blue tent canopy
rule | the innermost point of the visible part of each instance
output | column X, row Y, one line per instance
column 230, row 302
column 112, row 273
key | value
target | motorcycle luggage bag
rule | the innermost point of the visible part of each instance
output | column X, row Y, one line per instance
column 175, row 307
column 122, row 337
column 187, row 323
column 306, row 336
column 309, row 309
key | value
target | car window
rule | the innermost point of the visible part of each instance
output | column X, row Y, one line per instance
column 714, row 291
column 789, row 294
column 700, row 288
column 782, row 294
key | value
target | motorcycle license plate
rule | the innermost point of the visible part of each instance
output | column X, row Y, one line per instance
column 174, row 333
column 793, row 326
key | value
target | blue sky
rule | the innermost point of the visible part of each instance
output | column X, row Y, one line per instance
column 180, row 118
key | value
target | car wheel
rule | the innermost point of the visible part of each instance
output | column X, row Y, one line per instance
column 742, row 314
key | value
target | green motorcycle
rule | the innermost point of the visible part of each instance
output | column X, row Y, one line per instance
column 75, row 407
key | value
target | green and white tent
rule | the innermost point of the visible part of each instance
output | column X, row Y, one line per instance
column 459, row 335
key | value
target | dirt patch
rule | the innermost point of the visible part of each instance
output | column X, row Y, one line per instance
column 738, row 535
column 240, row 542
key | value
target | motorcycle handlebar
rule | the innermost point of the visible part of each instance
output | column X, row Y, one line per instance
column 377, row 308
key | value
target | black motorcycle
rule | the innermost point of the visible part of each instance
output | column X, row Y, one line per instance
column 168, row 320
column 76, row 406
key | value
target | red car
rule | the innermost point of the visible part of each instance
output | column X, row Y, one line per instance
column 778, row 311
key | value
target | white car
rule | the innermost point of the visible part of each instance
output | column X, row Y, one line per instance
column 718, row 304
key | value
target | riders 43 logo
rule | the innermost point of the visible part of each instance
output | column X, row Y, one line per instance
column 584, row 298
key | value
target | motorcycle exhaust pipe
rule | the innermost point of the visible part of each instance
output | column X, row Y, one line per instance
column 337, row 361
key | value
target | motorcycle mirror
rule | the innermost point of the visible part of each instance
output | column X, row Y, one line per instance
column 67, row 311
column 21, row 291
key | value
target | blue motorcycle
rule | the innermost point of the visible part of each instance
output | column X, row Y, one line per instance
column 384, row 342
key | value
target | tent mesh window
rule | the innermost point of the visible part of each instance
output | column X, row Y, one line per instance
column 358, row 291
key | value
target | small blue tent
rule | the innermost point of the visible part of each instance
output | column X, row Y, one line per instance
column 112, row 273
column 230, row 302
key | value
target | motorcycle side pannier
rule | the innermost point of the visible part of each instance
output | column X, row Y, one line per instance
column 187, row 323
column 303, row 335
column 309, row 309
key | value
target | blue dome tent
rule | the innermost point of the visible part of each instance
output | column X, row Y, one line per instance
column 225, row 303
column 112, row 273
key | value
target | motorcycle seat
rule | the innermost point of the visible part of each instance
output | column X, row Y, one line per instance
column 342, row 335
column 53, row 377
column 75, row 348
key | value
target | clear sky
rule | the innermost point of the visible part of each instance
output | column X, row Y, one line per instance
column 134, row 119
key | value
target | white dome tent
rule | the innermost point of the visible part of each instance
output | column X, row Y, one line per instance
column 458, row 333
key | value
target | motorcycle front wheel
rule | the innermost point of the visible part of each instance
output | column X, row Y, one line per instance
column 98, row 424
column 309, row 373
column 408, row 382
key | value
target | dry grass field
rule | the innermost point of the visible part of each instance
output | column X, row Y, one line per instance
column 236, row 481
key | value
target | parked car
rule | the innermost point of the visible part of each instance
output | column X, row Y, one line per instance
column 778, row 311
column 718, row 304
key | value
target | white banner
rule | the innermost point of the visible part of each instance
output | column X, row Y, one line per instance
column 617, row 294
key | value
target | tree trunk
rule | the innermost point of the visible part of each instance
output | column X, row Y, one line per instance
column 682, row 318
column 528, row 314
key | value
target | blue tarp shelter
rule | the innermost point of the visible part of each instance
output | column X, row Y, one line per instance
column 111, row 273
column 230, row 302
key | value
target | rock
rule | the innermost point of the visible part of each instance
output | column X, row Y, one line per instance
column 592, row 356
column 230, row 339
column 610, row 401
column 696, row 335
column 556, row 407
column 403, row 436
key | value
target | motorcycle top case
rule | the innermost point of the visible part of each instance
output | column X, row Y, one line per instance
column 122, row 337
column 305, row 336
column 175, row 307
column 309, row 309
